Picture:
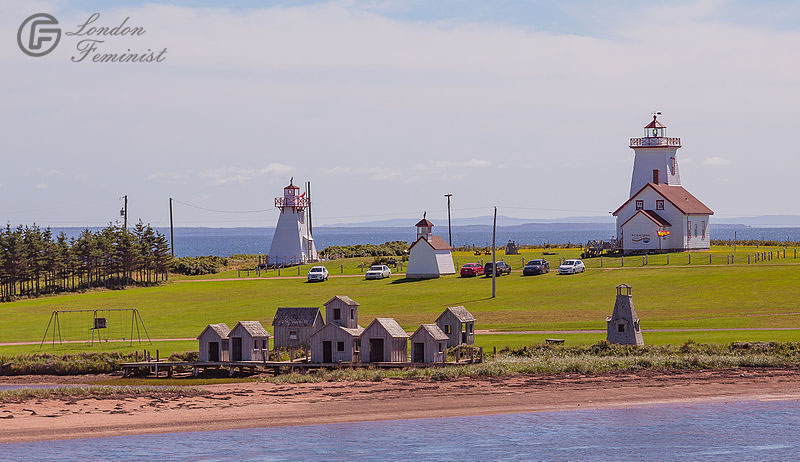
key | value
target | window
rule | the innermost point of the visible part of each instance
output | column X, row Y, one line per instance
column 292, row 335
column 255, row 344
column 264, row 344
column 352, row 313
column 639, row 205
column 672, row 165
column 339, row 346
column 357, row 345
column 441, row 347
column 337, row 314
column 655, row 176
column 660, row 205
column 447, row 329
column 620, row 327
column 695, row 230
column 703, row 226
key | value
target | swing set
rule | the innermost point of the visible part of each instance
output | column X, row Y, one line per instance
column 90, row 326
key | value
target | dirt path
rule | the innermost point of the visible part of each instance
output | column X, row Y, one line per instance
column 266, row 278
column 597, row 331
column 249, row 405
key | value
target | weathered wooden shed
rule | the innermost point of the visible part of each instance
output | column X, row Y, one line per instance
column 384, row 341
column 334, row 344
column 342, row 310
column 458, row 324
column 429, row 344
column 249, row 341
column 292, row 327
column 214, row 342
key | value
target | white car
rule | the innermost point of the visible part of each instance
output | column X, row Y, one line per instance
column 378, row 272
column 571, row 267
column 318, row 273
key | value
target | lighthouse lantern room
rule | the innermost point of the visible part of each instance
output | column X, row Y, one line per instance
column 292, row 243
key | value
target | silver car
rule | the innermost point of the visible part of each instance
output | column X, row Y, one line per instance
column 318, row 273
column 378, row 272
column 571, row 267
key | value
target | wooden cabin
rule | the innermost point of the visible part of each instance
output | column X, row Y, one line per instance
column 458, row 324
column 384, row 341
column 214, row 343
column 429, row 344
column 249, row 341
column 342, row 310
column 336, row 344
column 292, row 327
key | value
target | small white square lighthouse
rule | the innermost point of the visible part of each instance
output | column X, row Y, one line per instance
column 292, row 243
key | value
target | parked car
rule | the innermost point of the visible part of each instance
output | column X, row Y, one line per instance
column 571, row 267
column 502, row 268
column 378, row 272
column 536, row 267
column 317, row 273
column 471, row 269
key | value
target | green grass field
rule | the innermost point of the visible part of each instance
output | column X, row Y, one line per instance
column 701, row 296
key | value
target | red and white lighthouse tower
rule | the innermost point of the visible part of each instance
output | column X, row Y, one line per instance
column 292, row 243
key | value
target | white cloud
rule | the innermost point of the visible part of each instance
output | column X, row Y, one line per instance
column 716, row 161
column 222, row 175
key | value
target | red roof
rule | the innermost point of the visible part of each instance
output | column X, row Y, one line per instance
column 424, row 222
column 677, row 196
column 655, row 124
column 653, row 216
column 435, row 241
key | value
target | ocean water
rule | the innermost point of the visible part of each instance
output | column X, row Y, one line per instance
column 228, row 241
column 748, row 430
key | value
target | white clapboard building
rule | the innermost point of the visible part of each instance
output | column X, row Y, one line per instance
column 660, row 215
column 429, row 256
column 292, row 243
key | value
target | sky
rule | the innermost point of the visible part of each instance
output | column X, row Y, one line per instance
column 385, row 106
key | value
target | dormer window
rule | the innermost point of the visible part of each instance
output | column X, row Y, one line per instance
column 639, row 205
column 660, row 205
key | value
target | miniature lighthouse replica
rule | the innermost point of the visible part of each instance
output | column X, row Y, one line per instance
column 623, row 325
column 429, row 256
column 292, row 243
column 660, row 215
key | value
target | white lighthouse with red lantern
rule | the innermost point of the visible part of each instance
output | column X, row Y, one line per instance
column 292, row 243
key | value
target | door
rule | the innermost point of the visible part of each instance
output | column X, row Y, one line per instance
column 236, row 345
column 376, row 350
column 418, row 353
column 327, row 352
column 213, row 351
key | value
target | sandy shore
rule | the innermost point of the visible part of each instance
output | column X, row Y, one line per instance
column 248, row 405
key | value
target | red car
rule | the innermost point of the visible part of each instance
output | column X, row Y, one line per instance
column 471, row 269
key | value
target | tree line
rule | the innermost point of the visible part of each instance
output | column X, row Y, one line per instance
column 34, row 262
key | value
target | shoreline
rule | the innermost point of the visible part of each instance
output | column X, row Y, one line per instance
column 262, row 405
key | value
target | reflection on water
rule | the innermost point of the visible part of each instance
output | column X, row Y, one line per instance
column 725, row 431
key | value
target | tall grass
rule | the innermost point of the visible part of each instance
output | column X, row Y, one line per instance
column 24, row 394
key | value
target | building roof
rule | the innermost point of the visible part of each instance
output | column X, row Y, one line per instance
column 295, row 316
column 254, row 328
column 424, row 222
column 354, row 331
column 391, row 326
column 436, row 242
column 655, row 124
column 221, row 329
column 460, row 313
column 435, row 332
column 653, row 216
column 677, row 196
column 343, row 298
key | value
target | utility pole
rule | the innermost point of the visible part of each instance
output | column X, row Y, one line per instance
column 494, row 258
column 125, row 214
column 171, row 231
column 310, row 227
column 449, row 228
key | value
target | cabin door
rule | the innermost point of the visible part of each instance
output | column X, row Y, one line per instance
column 213, row 351
column 376, row 350
column 418, row 354
column 327, row 352
column 236, row 345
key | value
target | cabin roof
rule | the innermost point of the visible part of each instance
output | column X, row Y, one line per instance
column 682, row 199
column 343, row 298
column 221, row 329
column 391, row 326
column 295, row 316
column 435, row 241
column 435, row 332
column 653, row 216
column 254, row 328
column 460, row 313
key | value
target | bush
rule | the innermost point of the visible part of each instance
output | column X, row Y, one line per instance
column 196, row 266
column 392, row 248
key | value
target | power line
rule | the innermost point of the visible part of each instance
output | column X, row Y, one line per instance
column 220, row 211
